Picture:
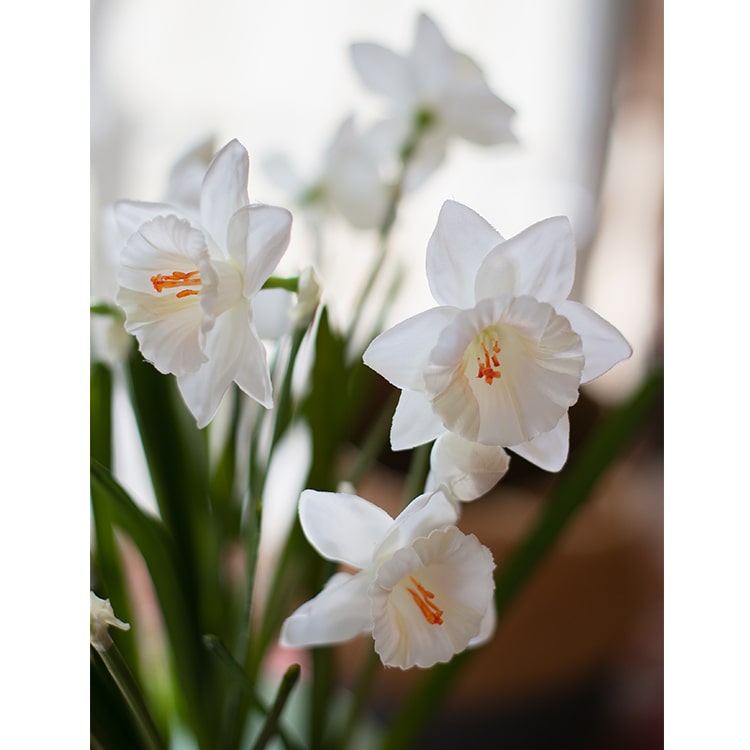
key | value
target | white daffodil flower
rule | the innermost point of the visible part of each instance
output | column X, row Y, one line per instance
column 424, row 589
column 438, row 86
column 187, row 286
column 349, row 180
column 500, row 360
column 102, row 618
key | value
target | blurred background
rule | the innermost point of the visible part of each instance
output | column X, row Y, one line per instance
column 578, row 662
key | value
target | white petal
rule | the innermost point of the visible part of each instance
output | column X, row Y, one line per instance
column 487, row 628
column 401, row 353
column 233, row 351
column 131, row 215
column 603, row 345
column 478, row 115
column 382, row 70
column 428, row 156
column 430, row 511
column 281, row 172
column 548, row 451
column 414, row 422
column 343, row 527
column 431, row 59
column 224, row 190
column 467, row 470
column 170, row 329
column 539, row 361
column 251, row 372
column 186, row 176
column 258, row 236
column 167, row 329
column 539, row 261
column 458, row 245
column 338, row 613
column 429, row 601
column 271, row 312
column 352, row 178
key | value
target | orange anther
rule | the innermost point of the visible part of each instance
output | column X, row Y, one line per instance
column 430, row 611
column 175, row 279
column 485, row 368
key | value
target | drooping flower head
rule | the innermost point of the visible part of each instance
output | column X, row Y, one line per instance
column 424, row 589
column 437, row 86
column 501, row 358
column 187, row 285
column 102, row 618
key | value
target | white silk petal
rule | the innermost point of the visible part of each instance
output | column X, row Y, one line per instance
column 224, row 190
column 414, row 422
column 429, row 511
column 459, row 243
column 258, row 237
column 251, row 370
column 343, row 527
column 428, row 156
column 487, row 628
column 467, row 470
column 431, row 60
column 338, row 613
column 131, row 215
column 234, row 351
column 429, row 600
column 382, row 70
column 478, row 115
column 401, row 354
column 541, row 259
column 271, row 308
column 539, row 364
column 167, row 329
column 603, row 345
column 548, row 451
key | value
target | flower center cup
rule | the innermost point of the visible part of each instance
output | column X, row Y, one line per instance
column 177, row 279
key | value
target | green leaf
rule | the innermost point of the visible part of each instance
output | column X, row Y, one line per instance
column 106, row 554
column 176, row 453
column 159, row 553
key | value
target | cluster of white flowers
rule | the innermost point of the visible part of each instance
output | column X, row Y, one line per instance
column 495, row 364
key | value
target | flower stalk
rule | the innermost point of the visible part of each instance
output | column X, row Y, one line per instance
column 118, row 669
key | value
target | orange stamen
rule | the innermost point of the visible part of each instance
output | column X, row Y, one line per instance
column 176, row 279
column 485, row 368
column 430, row 611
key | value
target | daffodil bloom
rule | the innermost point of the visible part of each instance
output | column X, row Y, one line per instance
column 423, row 589
column 500, row 360
column 187, row 285
column 349, row 180
column 436, row 86
column 102, row 618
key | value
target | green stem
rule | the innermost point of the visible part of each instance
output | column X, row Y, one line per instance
column 291, row 284
column 105, row 308
column 288, row 681
column 127, row 685
column 238, row 676
column 374, row 441
column 422, row 122
column 418, row 468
